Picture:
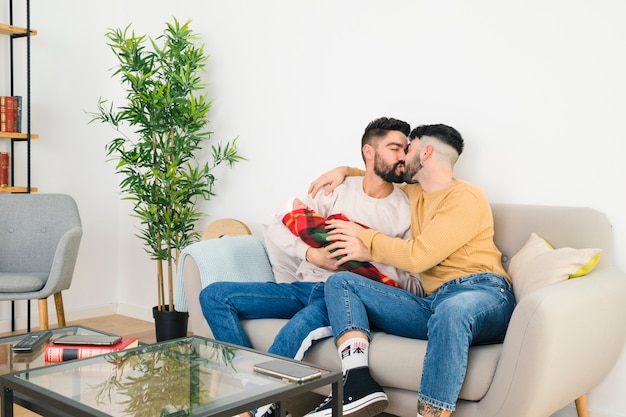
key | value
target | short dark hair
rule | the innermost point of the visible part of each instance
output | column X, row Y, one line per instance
column 379, row 128
column 446, row 134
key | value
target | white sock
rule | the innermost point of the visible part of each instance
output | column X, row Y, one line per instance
column 354, row 353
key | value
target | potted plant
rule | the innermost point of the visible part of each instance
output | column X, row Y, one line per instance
column 167, row 114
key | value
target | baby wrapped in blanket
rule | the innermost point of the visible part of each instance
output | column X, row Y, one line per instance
column 304, row 222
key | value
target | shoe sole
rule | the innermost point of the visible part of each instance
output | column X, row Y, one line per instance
column 368, row 406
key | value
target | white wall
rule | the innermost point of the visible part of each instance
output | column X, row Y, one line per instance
column 537, row 88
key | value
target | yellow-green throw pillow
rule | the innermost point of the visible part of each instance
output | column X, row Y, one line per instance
column 538, row 264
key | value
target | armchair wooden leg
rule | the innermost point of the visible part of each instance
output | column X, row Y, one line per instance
column 43, row 313
column 581, row 406
column 58, row 302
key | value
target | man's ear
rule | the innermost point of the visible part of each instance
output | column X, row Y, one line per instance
column 427, row 152
column 368, row 151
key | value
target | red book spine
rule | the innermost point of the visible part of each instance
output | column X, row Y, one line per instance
column 4, row 169
column 11, row 112
column 3, row 113
column 59, row 353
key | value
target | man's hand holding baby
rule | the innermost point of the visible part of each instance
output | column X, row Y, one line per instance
column 346, row 243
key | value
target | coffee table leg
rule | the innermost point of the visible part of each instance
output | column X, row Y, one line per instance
column 338, row 398
column 7, row 402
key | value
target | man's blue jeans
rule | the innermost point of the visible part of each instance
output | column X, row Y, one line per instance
column 225, row 303
column 471, row 310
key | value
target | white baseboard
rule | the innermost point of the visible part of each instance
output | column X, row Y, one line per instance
column 598, row 413
column 570, row 411
column 136, row 312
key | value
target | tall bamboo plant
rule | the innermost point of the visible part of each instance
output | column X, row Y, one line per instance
column 167, row 113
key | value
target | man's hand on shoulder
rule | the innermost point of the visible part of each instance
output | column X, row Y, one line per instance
column 331, row 178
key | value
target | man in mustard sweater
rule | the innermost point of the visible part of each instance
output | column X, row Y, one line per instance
column 469, row 298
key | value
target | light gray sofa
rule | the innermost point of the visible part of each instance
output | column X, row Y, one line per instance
column 562, row 340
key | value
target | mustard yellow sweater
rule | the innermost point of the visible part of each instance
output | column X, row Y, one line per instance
column 451, row 236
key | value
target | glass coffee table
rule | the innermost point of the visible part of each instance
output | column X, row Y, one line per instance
column 192, row 376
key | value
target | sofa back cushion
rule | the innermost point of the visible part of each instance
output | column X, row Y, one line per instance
column 576, row 227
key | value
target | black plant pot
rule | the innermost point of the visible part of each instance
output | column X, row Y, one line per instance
column 169, row 324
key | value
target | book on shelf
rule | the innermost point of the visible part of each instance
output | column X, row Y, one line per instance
column 3, row 113
column 10, row 113
column 56, row 352
column 4, row 169
column 18, row 117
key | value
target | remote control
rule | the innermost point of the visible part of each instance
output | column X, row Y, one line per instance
column 32, row 341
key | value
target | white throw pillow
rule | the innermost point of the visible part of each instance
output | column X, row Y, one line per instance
column 284, row 266
column 538, row 264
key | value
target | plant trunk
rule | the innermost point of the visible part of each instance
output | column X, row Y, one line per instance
column 160, row 288
column 170, row 284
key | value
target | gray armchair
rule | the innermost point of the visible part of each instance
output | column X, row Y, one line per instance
column 39, row 240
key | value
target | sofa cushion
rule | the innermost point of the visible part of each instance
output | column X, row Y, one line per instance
column 12, row 282
column 538, row 264
column 403, row 374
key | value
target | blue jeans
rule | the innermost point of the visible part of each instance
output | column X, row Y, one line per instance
column 225, row 303
column 471, row 310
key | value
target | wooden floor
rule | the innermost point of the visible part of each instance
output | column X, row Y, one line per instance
column 116, row 324
column 144, row 330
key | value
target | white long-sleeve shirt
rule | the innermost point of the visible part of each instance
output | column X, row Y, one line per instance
column 390, row 215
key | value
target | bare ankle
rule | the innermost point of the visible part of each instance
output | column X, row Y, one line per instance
column 427, row 410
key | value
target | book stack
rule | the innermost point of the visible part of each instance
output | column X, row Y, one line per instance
column 4, row 169
column 10, row 113
column 56, row 352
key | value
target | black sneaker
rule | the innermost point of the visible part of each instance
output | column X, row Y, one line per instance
column 362, row 396
column 273, row 411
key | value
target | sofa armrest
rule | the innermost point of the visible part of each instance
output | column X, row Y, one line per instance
column 575, row 328
column 231, row 258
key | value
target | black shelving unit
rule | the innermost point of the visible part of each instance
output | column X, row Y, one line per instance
column 17, row 35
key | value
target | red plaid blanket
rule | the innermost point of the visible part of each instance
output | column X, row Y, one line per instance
column 310, row 227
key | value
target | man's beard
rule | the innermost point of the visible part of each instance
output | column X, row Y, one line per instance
column 387, row 172
column 411, row 169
